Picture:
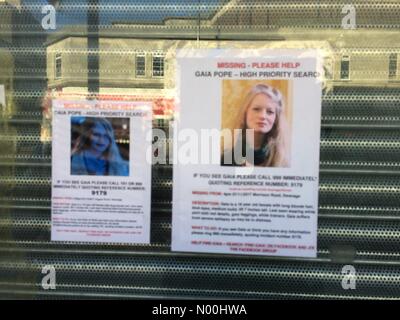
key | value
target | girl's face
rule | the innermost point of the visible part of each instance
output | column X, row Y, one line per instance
column 261, row 114
column 99, row 138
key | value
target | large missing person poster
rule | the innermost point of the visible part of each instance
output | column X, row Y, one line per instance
column 100, row 175
column 247, row 152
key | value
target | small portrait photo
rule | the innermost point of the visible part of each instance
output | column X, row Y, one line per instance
column 256, row 123
column 100, row 146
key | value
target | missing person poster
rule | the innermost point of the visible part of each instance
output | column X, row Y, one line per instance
column 247, row 152
column 101, row 179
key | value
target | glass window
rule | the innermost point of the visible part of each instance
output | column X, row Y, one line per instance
column 140, row 65
column 345, row 68
column 116, row 52
column 58, row 66
column 392, row 66
column 158, row 66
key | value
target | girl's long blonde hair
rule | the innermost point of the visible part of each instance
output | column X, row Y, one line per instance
column 276, row 139
column 112, row 154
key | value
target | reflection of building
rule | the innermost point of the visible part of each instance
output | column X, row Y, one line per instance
column 6, row 56
column 124, row 64
column 137, row 59
column 22, row 37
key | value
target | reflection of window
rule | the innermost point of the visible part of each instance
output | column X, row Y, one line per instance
column 158, row 66
column 58, row 66
column 345, row 68
column 160, row 123
column 393, row 66
column 140, row 65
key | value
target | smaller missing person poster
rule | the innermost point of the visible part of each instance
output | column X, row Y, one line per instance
column 101, row 179
column 246, row 144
